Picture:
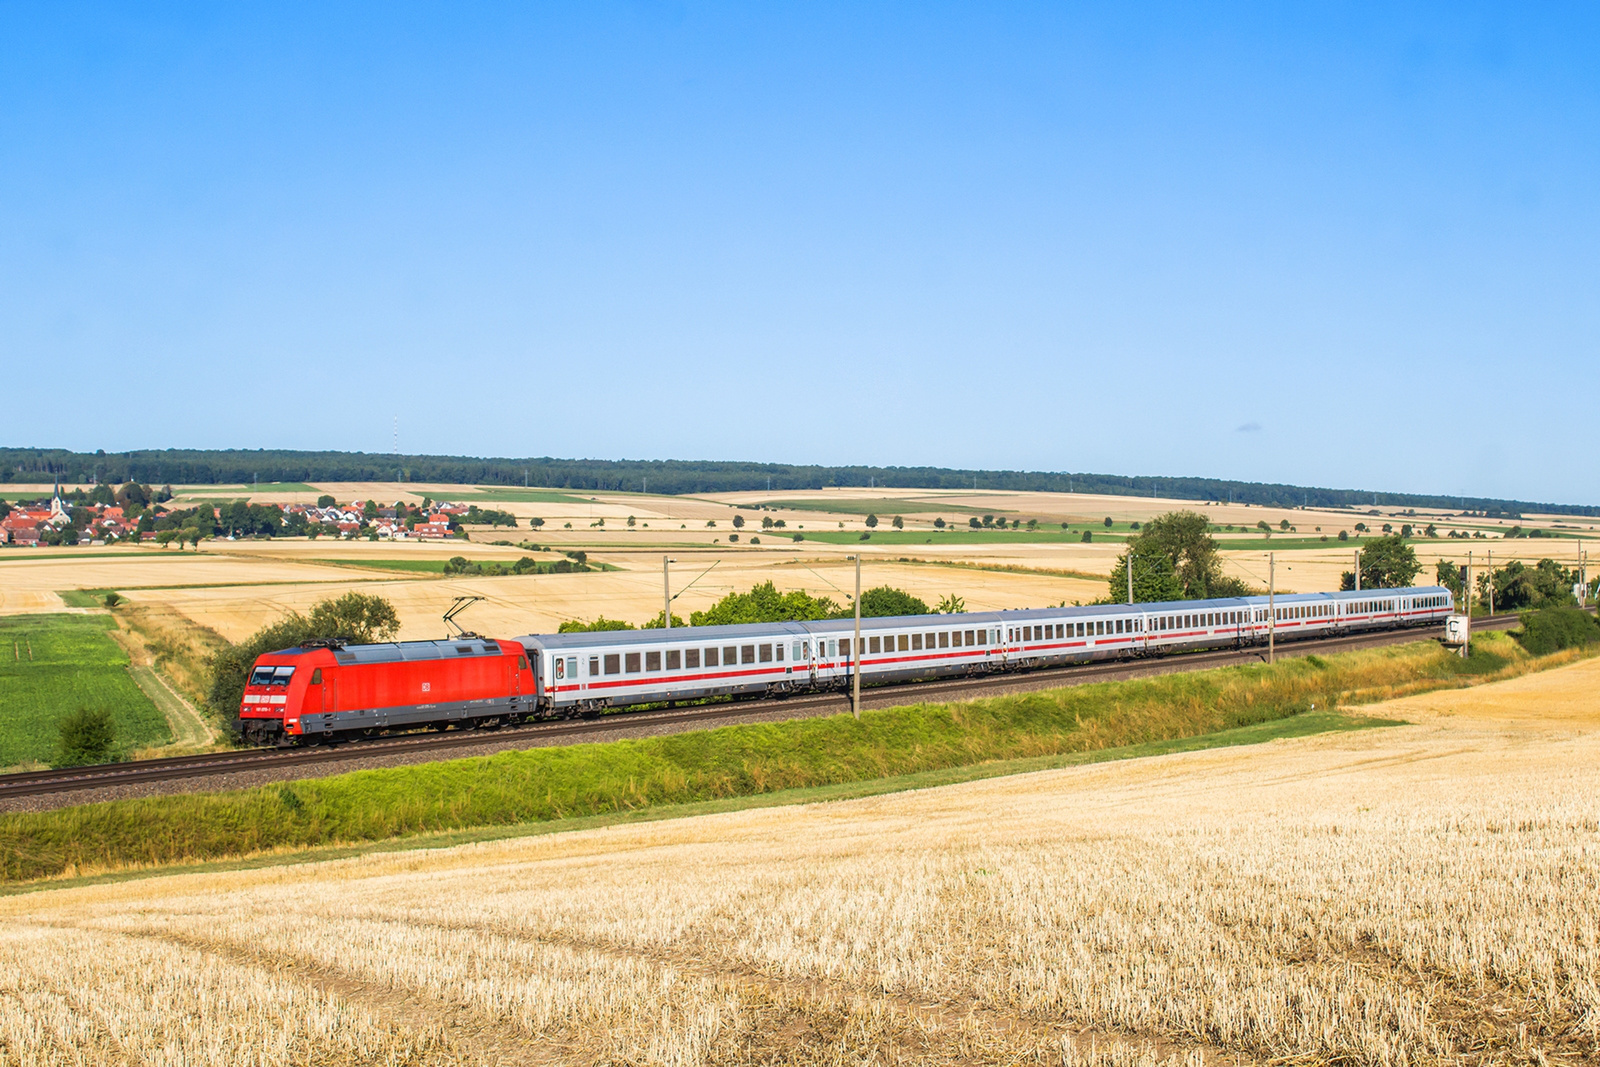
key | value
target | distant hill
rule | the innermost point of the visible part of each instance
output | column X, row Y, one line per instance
column 234, row 466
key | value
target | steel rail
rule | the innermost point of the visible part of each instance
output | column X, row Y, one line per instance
column 170, row 768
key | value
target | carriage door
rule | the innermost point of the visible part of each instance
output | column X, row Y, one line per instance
column 809, row 647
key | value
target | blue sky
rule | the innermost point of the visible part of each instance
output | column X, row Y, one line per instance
column 1327, row 244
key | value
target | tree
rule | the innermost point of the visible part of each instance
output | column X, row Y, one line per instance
column 886, row 600
column 1088, row 535
column 1108, row 522
column 1153, row 579
column 950, row 604
column 763, row 603
column 325, row 501
column 354, row 617
column 573, row 626
column 1344, row 535
column 938, row 524
column 632, row 521
column 975, row 523
column 1184, row 540
column 766, row 522
column 738, row 522
column 1386, row 563
column 84, row 737
column 370, row 510
column 898, row 523
column 872, row 522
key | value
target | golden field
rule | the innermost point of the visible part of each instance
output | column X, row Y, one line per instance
column 1421, row 894
column 235, row 587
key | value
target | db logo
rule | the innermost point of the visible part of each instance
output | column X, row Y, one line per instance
column 426, row 686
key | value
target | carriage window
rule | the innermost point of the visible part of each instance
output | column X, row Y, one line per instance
column 691, row 657
column 844, row 647
column 875, row 644
column 955, row 638
column 613, row 664
column 916, row 642
column 983, row 637
column 904, row 643
column 730, row 656
column 747, row 654
column 572, row 666
column 766, row 653
column 1119, row 626
column 944, row 639
column 674, row 659
column 631, row 662
column 652, row 661
column 594, row 666
column 316, row 675
column 777, row 650
column 560, row 668
column 711, row 657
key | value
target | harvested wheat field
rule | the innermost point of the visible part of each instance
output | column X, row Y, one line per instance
column 1411, row 895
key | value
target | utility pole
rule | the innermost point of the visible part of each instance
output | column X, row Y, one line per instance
column 1272, row 609
column 1358, row 570
column 666, row 593
column 1466, row 646
column 1491, row 581
column 855, row 649
column 1130, row 576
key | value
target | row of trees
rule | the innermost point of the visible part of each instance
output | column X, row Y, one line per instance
column 764, row 603
column 197, row 466
column 1515, row 586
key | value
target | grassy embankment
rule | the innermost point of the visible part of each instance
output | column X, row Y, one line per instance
column 748, row 761
column 54, row 665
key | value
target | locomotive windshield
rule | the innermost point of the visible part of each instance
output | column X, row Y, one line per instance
column 271, row 675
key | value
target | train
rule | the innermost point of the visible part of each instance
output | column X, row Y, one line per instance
column 329, row 691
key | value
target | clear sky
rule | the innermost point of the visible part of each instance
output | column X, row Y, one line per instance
column 1328, row 244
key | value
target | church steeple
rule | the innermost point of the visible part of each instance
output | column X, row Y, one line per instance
column 58, row 507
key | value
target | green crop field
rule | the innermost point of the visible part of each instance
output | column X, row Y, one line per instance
column 53, row 665
column 503, row 495
column 887, row 507
column 888, row 535
column 412, row 566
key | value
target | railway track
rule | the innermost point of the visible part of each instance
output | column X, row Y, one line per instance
column 34, row 783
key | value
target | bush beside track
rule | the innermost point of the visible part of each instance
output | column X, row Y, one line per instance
column 545, row 784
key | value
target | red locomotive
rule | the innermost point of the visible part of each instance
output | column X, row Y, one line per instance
column 327, row 690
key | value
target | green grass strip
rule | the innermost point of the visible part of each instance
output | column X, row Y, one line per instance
column 1304, row 725
column 544, row 784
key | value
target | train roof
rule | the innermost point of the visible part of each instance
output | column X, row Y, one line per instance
column 696, row 634
column 404, row 651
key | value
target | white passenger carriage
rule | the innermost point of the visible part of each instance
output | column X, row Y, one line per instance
column 616, row 668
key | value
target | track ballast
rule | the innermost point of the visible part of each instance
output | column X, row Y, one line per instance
column 242, row 761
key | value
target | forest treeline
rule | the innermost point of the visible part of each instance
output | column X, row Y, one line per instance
column 236, row 466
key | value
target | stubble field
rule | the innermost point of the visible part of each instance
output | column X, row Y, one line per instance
column 1413, row 895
